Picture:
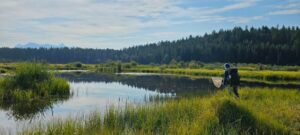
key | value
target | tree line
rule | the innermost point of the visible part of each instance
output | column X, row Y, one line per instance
column 266, row 45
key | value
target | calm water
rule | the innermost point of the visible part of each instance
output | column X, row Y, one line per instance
column 93, row 91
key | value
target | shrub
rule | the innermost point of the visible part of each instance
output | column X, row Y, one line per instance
column 2, row 71
column 133, row 63
column 78, row 64
column 195, row 64
column 74, row 66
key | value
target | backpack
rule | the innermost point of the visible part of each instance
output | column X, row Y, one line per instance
column 234, row 77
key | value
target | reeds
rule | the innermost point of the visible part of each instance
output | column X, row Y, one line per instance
column 32, row 80
column 259, row 111
column 265, row 75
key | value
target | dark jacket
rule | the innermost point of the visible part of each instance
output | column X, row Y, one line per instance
column 226, row 77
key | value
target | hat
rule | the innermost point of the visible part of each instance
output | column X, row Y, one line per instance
column 226, row 66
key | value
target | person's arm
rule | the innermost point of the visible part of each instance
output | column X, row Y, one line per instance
column 225, row 77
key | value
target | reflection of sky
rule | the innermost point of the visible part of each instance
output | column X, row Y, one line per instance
column 88, row 96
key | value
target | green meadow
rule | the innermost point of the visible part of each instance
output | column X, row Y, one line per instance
column 263, row 75
column 256, row 72
column 258, row 111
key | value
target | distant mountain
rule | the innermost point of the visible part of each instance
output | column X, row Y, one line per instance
column 36, row 45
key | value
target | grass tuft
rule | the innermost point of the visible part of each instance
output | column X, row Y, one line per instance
column 32, row 81
column 31, row 90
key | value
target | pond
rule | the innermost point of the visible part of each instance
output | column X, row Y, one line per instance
column 95, row 91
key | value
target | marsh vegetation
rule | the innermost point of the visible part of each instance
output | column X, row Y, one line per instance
column 259, row 111
column 31, row 89
column 32, row 81
column 193, row 106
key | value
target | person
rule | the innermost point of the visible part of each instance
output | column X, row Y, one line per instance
column 231, row 78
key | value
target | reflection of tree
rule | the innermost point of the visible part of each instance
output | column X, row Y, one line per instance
column 170, row 84
column 28, row 109
column 164, row 84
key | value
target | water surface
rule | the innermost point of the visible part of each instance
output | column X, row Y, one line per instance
column 94, row 91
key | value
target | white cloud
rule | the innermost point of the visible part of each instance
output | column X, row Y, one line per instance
column 291, row 4
column 76, row 22
column 285, row 12
column 240, row 5
column 288, row 7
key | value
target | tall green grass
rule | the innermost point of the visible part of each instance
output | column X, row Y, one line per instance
column 247, row 71
column 259, row 111
column 32, row 90
column 266, row 75
column 32, row 80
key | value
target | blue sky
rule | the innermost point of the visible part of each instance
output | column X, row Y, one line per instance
column 123, row 23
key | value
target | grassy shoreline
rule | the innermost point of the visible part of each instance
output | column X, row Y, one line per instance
column 265, row 75
column 246, row 71
column 259, row 111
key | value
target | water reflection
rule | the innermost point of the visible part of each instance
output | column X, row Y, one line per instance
column 175, row 85
column 29, row 109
